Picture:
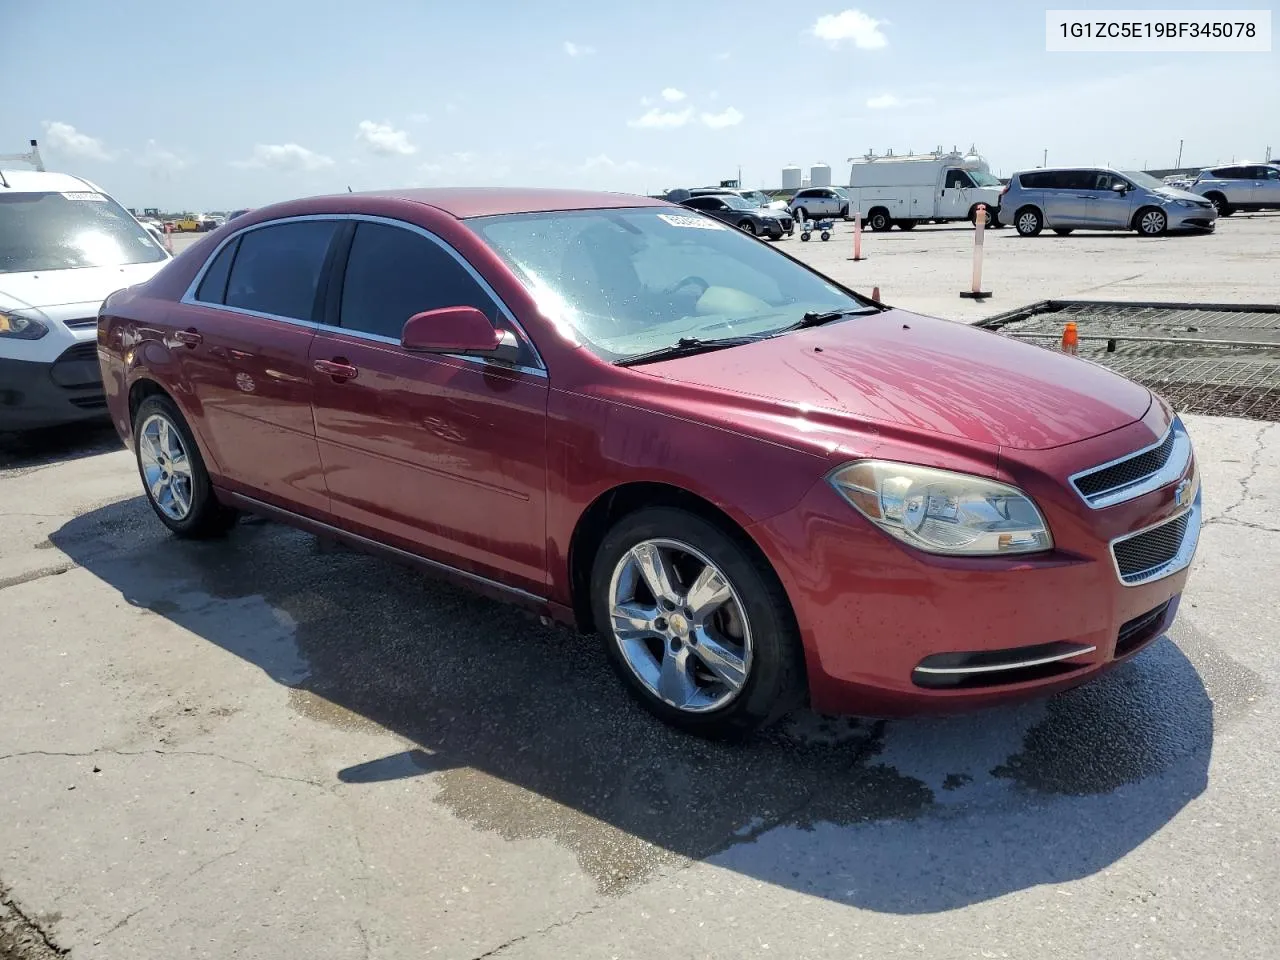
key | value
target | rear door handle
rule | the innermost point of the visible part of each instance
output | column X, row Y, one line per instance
column 189, row 337
column 338, row 368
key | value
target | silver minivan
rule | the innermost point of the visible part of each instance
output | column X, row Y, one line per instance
column 1096, row 198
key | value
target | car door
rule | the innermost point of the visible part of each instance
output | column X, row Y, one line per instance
column 444, row 456
column 1266, row 187
column 246, row 326
column 953, row 197
column 1066, row 198
column 1110, row 208
column 1236, row 184
column 712, row 206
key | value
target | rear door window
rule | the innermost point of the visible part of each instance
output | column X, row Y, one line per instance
column 213, row 287
column 277, row 268
column 393, row 273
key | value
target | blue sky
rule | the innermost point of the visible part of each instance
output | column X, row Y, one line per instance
column 234, row 103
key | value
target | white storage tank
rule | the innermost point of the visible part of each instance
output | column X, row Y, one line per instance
column 820, row 175
column 791, row 177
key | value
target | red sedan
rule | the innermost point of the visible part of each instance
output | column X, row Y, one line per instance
column 756, row 485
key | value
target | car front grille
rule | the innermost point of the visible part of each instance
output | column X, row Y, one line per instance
column 1156, row 551
column 1138, row 473
column 787, row 223
column 77, row 368
column 80, row 323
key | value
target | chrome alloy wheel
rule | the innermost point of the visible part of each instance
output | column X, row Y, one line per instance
column 679, row 625
column 1028, row 222
column 1152, row 223
column 166, row 468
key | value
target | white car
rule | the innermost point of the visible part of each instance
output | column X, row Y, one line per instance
column 1240, row 186
column 64, row 247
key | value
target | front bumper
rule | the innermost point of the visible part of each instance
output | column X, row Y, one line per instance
column 891, row 631
column 1182, row 218
column 36, row 395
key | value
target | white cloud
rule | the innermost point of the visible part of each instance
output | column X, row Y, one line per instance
column 672, row 95
column 853, row 25
column 887, row 101
column 384, row 139
column 602, row 161
column 284, row 156
column 64, row 138
column 718, row 121
column 655, row 118
column 578, row 49
column 161, row 162
column 646, row 101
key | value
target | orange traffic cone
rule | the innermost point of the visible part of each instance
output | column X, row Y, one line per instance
column 875, row 294
column 1070, row 338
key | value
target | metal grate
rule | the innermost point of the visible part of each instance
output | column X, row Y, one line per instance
column 1141, row 556
column 1216, row 359
column 1126, row 472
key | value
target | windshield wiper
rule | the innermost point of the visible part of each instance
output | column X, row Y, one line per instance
column 684, row 347
column 817, row 319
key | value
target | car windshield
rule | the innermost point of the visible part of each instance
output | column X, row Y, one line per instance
column 756, row 198
column 1143, row 179
column 623, row 282
column 735, row 202
column 58, row 231
column 983, row 179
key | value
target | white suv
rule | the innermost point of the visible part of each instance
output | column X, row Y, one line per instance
column 64, row 247
column 1240, row 186
column 813, row 203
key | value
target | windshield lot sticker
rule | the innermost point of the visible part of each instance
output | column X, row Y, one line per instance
column 692, row 223
column 93, row 197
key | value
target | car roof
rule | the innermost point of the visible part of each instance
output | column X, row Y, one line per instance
column 1082, row 166
column 464, row 202
column 35, row 181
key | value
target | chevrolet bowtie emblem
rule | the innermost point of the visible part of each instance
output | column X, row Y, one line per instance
column 1181, row 492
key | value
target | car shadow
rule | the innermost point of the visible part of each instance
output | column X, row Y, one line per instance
column 38, row 448
column 524, row 731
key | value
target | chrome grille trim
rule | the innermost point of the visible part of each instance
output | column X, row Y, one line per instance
column 1152, row 557
column 1156, row 466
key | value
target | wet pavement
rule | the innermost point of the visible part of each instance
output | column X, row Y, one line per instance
column 255, row 747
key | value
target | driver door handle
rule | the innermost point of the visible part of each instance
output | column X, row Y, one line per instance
column 189, row 337
column 337, row 368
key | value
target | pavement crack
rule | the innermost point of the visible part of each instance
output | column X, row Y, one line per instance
column 28, row 925
column 1255, row 465
column 1233, row 522
column 40, row 574
column 167, row 753
column 567, row 921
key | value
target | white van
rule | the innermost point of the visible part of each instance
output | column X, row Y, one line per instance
column 64, row 247
column 907, row 190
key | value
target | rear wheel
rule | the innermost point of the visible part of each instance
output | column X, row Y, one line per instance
column 173, row 472
column 1029, row 222
column 907, row 224
column 879, row 220
column 802, row 214
column 1220, row 204
column 695, row 624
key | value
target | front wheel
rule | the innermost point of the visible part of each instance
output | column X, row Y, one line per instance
column 746, row 226
column 697, row 627
column 1063, row 231
column 879, row 221
column 1152, row 222
column 1220, row 204
column 173, row 473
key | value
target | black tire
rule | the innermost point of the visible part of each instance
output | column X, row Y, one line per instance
column 1063, row 231
column 879, row 220
column 206, row 517
column 1220, row 203
column 746, row 226
column 775, row 683
column 826, row 234
column 907, row 224
column 802, row 215
column 1151, row 222
column 844, row 212
column 804, row 236
column 1028, row 221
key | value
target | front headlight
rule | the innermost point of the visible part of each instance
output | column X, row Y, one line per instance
column 17, row 327
column 1186, row 203
column 943, row 512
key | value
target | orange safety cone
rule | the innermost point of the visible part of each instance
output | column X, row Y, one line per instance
column 875, row 294
column 1070, row 338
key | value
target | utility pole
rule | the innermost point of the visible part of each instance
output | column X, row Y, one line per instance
column 1045, row 163
column 1178, row 165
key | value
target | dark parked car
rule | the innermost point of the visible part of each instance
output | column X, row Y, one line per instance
column 744, row 215
column 758, row 486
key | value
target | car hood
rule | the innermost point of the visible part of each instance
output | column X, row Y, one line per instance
column 52, row 288
column 1173, row 193
column 924, row 375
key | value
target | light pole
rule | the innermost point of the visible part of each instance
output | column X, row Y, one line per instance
column 1178, row 165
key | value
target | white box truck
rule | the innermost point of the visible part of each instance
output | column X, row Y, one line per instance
column 931, row 187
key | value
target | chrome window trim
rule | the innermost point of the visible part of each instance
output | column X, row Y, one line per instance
column 189, row 297
column 1000, row 667
column 1178, row 562
column 1172, row 470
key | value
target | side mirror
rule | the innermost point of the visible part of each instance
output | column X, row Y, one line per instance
column 1120, row 187
column 458, row 330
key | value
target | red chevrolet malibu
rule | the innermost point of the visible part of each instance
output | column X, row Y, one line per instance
column 755, row 484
